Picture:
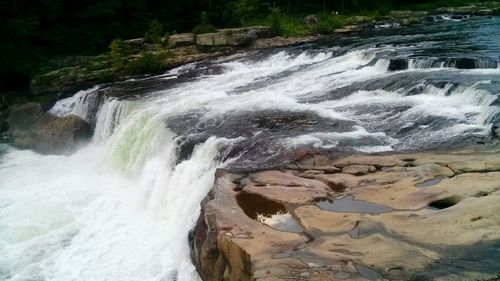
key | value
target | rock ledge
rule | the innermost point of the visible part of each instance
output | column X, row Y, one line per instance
column 396, row 217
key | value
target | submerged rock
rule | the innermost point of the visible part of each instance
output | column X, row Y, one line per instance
column 381, row 224
column 32, row 128
column 398, row 64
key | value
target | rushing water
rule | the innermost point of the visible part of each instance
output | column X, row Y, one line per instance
column 121, row 207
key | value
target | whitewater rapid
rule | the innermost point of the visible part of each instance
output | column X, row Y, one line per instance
column 121, row 207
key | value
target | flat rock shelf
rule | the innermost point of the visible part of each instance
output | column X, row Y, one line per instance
column 399, row 227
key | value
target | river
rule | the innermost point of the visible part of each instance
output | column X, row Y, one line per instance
column 121, row 207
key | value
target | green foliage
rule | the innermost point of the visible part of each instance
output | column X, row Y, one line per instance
column 34, row 32
column 205, row 26
column 200, row 29
column 276, row 19
column 328, row 23
column 204, row 18
column 147, row 63
column 283, row 24
column 245, row 10
column 155, row 32
column 118, row 53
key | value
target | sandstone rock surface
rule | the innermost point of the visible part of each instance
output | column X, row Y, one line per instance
column 421, row 216
column 182, row 39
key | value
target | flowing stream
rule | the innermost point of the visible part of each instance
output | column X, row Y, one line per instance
column 121, row 207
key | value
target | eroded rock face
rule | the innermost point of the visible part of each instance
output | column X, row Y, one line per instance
column 31, row 128
column 396, row 217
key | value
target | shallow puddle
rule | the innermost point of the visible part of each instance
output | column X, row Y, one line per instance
column 431, row 182
column 348, row 204
column 268, row 212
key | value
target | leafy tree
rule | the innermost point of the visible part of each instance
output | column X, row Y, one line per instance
column 118, row 52
column 205, row 26
column 155, row 32
column 247, row 9
column 275, row 18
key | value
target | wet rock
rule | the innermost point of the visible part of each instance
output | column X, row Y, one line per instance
column 385, row 227
column 279, row 41
column 182, row 39
column 398, row 64
column 311, row 19
column 466, row 9
column 485, row 12
column 31, row 128
column 465, row 63
column 3, row 124
column 358, row 170
column 348, row 29
column 445, row 10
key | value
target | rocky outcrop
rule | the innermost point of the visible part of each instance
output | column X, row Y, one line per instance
column 233, row 36
column 415, row 216
column 31, row 128
column 311, row 19
column 182, row 39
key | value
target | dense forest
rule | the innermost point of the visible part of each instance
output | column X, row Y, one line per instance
column 34, row 31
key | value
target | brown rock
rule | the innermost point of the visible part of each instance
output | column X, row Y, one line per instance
column 182, row 39
column 358, row 170
column 429, row 215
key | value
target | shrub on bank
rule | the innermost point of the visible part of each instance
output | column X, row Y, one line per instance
column 205, row 26
column 146, row 63
column 155, row 32
column 328, row 23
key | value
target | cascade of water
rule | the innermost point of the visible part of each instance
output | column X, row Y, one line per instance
column 84, row 104
column 109, row 116
column 121, row 208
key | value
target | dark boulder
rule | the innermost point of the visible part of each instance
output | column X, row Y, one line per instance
column 32, row 128
column 465, row 63
column 398, row 64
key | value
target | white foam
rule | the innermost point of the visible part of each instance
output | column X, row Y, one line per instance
column 78, row 104
column 121, row 208
column 332, row 139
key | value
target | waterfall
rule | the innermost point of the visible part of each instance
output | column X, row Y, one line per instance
column 121, row 207
column 84, row 104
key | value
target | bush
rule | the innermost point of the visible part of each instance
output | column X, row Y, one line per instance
column 154, row 33
column 200, row 29
column 205, row 26
column 275, row 17
column 147, row 63
column 118, row 52
column 329, row 23
column 244, row 10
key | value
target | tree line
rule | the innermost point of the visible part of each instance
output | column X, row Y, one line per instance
column 33, row 31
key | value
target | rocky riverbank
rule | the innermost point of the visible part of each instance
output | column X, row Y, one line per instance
column 418, row 216
column 77, row 73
